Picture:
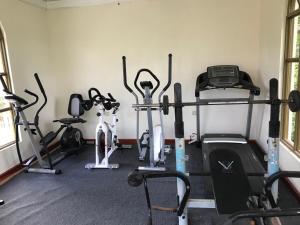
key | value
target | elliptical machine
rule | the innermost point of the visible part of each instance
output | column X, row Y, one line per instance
column 106, row 139
column 153, row 139
column 32, row 128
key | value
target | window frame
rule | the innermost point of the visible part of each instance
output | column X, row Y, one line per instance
column 287, row 76
column 3, row 55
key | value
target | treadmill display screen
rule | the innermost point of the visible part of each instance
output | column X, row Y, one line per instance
column 223, row 76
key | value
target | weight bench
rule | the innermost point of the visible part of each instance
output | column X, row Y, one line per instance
column 230, row 183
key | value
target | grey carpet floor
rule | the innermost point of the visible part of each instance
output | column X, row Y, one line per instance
column 103, row 197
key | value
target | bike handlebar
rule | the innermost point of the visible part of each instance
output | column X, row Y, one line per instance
column 108, row 103
column 111, row 98
column 94, row 98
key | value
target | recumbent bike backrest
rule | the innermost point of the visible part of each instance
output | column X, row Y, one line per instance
column 75, row 107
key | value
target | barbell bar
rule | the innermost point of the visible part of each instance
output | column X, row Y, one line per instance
column 293, row 102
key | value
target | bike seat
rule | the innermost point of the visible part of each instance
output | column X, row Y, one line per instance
column 68, row 121
column 145, row 84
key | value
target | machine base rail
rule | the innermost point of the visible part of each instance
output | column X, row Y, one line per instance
column 262, row 214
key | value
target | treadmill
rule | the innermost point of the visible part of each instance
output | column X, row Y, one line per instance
column 228, row 77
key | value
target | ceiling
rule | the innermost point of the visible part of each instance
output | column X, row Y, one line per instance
column 54, row 4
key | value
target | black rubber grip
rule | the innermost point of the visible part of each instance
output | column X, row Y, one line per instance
column 36, row 76
column 274, row 124
column 125, row 75
column 273, row 88
column 5, row 88
column 169, row 73
column 112, row 99
column 179, row 124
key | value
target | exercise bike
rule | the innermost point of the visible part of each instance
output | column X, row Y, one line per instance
column 106, row 139
column 153, row 139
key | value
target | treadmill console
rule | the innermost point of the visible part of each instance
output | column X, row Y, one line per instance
column 223, row 76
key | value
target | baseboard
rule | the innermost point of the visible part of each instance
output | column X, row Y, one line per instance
column 4, row 177
column 133, row 141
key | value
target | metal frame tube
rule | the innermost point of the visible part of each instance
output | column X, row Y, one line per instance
column 148, row 100
column 249, row 116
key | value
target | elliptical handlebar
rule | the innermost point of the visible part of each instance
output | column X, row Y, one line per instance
column 125, row 75
column 169, row 78
column 5, row 88
column 153, row 76
column 16, row 97
column 41, row 87
column 34, row 102
column 36, row 76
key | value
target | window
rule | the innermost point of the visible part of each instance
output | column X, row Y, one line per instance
column 291, row 121
column 7, row 132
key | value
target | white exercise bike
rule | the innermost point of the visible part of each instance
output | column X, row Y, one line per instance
column 106, row 139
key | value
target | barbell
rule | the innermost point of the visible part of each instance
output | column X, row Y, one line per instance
column 293, row 102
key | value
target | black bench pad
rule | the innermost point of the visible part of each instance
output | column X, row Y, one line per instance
column 230, row 183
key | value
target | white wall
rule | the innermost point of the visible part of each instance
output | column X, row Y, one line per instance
column 26, row 36
column 86, row 46
column 271, row 61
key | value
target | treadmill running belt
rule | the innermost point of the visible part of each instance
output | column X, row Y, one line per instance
column 230, row 183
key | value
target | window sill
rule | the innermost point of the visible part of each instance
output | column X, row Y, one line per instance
column 8, row 145
column 289, row 146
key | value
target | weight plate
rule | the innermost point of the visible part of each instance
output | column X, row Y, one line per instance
column 294, row 101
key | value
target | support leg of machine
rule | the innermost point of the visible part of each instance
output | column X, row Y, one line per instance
column 180, row 166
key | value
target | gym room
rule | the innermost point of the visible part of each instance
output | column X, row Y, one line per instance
column 157, row 112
